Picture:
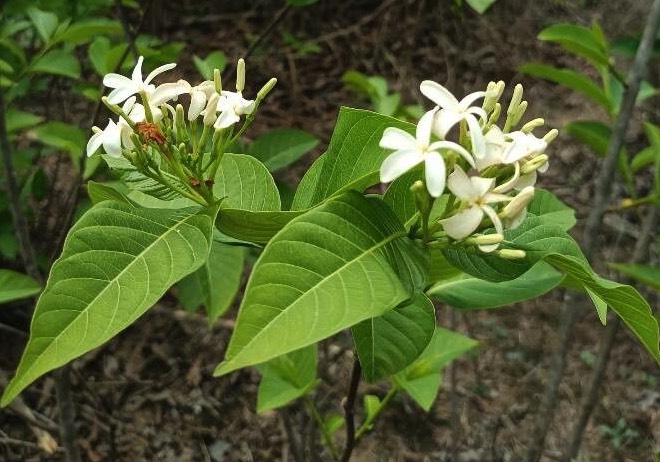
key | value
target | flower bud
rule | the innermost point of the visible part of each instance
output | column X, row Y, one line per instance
column 240, row 75
column 217, row 81
column 551, row 135
column 179, row 120
column 494, row 116
column 266, row 89
column 511, row 254
column 210, row 114
column 422, row 198
column 519, row 203
column 531, row 125
column 485, row 239
column 493, row 93
column 515, row 100
column 515, row 118
column 534, row 164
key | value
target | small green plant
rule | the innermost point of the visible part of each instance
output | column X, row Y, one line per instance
column 620, row 434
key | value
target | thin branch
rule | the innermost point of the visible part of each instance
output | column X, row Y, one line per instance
column 130, row 36
column 592, row 395
column 594, row 223
column 349, row 410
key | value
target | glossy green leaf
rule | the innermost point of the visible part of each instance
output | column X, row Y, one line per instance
column 399, row 197
column 579, row 40
column 58, row 62
column 594, row 134
column 286, row 378
column 353, row 158
column 467, row 292
column 441, row 269
column 245, row 184
column 390, row 342
column 551, row 210
column 255, row 227
column 99, row 192
column 552, row 245
column 570, row 79
column 137, row 181
column 206, row 66
column 85, row 31
column 282, row 147
column 302, row 200
column 327, row 270
column 44, row 21
column 16, row 286
column 646, row 274
column 422, row 379
column 216, row 283
column 117, row 262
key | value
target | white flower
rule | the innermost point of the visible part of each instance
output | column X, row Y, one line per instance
column 412, row 150
column 199, row 96
column 476, row 194
column 231, row 106
column 453, row 111
column 514, row 212
column 125, row 87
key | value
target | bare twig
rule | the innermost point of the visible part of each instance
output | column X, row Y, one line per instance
column 592, row 394
column 604, row 183
column 130, row 36
column 349, row 410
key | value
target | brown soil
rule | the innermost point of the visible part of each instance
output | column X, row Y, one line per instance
column 148, row 395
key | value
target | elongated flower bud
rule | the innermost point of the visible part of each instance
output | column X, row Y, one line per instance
column 266, row 89
column 240, row 75
column 519, row 203
column 485, row 239
column 534, row 164
column 531, row 125
column 511, row 254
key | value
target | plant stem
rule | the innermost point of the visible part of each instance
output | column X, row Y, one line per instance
column 349, row 410
column 604, row 183
column 366, row 425
column 592, row 395
column 327, row 438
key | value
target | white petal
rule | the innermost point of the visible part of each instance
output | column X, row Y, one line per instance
column 511, row 182
column 136, row 76
column 477, row 111
column 481, row 185
column 459, row 183
column 168, row 91
column 444, row 121
column 424, row 126
column 454, row 147
column 543, row 168
column 515, row 221
column 492, row 214
column 435, row 173
column 398, row 163
column 244, row 107
column 476, row 137
column 471, row 98
column 197, row 102
column 118, row 95
column 226, row 119
column 395, row 138
column 438, row 94
column 113, row 80
column 526, row 180
column 158, row 70
column 94, row 143
column 463, row 223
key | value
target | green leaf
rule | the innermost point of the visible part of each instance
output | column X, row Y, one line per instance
column 551, row 210
column 422, row 379
column 206, row 66
column 653, row 134
column 87, row 30
column 480, row 6
column 552, row 245
column 578, row 40
column 44, row 21
column 570, row 79
column 301, row 2
column 58, row 62
column 139, row 182
column 599, row 304
column 302, row 200
column 390, row 342
column 372, row 405
column 353, row 158
column 246, row 184
column 643, row 159
column 99, row 192
column 282, row 147
column 65, row 137
column 16, row 286
column 327, row 270
column 117, row 262
column 216, row 283
column 594, row 134
column 286, row 378
column 467, row 292
column 18, row 120
column 646, row 274
column 255, row 227
column 399, row 197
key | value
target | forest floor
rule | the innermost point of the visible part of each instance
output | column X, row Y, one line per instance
column 149, row 394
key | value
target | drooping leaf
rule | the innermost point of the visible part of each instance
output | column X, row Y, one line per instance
column 99, row 192
column 593, row 133
column 551, row 210
column 390, row 342
column 579, row 40
column 422, row 379
column 467, row 292
column 353, row 158
column 216, row 283
column 16, row 286
column 66, row 137
column 44, row 21
column 117, row 262
column 286, row 378
column 646, row 274
column 570, row 79
column 327, row 270
column 18, row 120
column 58, row 62
column 84, row 31
column 282, row 147
column 246, row 184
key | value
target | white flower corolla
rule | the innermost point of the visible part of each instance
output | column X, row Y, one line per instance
column 410, row 151
column 199, row 96
column 123, row 87
column 453, row 111
column 231, row 107
column 514, row 212
column 475, row 194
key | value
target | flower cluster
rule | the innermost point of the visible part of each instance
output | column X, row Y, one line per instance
column 191, row 142
column 492, row 170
